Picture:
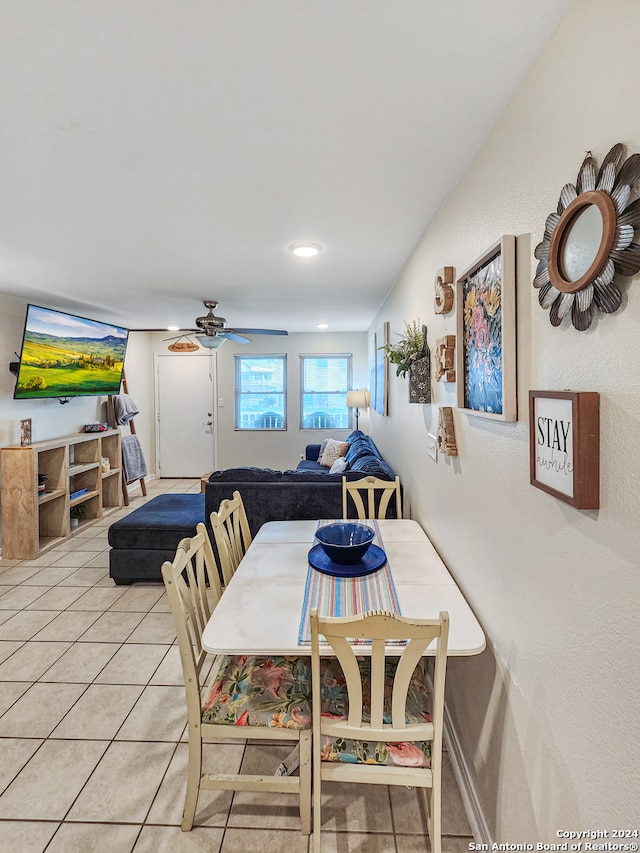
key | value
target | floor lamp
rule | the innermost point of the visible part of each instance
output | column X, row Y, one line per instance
column 355, row 399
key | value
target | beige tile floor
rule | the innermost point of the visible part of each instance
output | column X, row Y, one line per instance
column 92, row 720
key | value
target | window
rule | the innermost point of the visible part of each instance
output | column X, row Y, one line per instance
column 261, row 392
column 324, row 382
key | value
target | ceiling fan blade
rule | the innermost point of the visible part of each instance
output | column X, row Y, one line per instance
column 232, row 336
column 258, row 331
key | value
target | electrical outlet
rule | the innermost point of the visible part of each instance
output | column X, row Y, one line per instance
column 432, row 447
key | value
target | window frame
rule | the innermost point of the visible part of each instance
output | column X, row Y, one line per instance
column 348, row 357
column 239, row 393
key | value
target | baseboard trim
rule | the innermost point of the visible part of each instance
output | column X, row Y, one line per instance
column 468, row 792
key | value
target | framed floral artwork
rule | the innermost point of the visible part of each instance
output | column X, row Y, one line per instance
column 486, row 333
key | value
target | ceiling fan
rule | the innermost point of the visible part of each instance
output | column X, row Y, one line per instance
column 212, row 331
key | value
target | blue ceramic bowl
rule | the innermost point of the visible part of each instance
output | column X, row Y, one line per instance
column 345, row 542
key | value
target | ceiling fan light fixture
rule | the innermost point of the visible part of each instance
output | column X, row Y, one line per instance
column 305, row 250
column 210, row 341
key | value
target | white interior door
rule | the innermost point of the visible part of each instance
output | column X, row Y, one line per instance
column 186, row 430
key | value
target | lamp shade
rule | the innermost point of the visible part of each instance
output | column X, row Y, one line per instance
column 210, row 341
column 357, row 399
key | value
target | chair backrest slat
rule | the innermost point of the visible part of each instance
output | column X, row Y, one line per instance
column 414, row 650
column 376, row 491
column 349, row 664
column 232, row 534
column 377, row 683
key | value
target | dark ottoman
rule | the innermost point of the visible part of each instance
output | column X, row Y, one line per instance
column 144, row 539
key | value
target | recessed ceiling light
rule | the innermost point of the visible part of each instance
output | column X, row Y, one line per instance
column 322, row 325
column 305, row 250
column 173, row 328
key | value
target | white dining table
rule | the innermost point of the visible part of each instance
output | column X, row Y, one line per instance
column 260, row 610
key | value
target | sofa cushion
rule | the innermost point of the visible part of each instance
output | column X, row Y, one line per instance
column 312, row 452
column 246, row 475
column 374, row 466
column 357, row 449
column 302, row 475
column 374, row 449
column 309, row 465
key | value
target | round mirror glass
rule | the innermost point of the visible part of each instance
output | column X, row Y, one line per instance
column 582, row 242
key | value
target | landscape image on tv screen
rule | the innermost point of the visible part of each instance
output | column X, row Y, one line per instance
column 68, row 356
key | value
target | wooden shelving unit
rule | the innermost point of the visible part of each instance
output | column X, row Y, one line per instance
column 32, row 521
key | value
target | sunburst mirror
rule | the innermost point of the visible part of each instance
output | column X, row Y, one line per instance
column 589, row 240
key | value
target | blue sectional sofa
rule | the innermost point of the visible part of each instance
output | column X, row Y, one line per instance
column 141, row 541
column 309, row 491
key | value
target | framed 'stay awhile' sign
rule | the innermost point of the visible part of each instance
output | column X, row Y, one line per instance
column 564, row 443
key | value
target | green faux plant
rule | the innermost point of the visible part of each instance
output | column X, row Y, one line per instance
column 408, row 349
column 77, row 511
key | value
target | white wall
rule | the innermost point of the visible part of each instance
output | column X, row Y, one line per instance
column 548, row 716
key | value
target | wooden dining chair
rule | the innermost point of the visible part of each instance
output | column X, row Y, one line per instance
column 232, row 535
column 245, row 696
column 384, row 726
column 378, row 492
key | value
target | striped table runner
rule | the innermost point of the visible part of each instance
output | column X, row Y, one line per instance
column 347, row 596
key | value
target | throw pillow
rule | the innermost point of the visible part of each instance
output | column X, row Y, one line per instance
column 331, row 452
column 338, row 466
column 323, row 446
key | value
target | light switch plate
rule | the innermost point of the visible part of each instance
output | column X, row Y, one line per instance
column 432, row 447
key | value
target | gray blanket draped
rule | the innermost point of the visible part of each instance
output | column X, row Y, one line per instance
column 135, row 468
column 124, row 407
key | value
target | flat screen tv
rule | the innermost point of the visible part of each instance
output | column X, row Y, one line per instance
column 67, row 356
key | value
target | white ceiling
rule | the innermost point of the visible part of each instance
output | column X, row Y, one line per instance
column 155, row 153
